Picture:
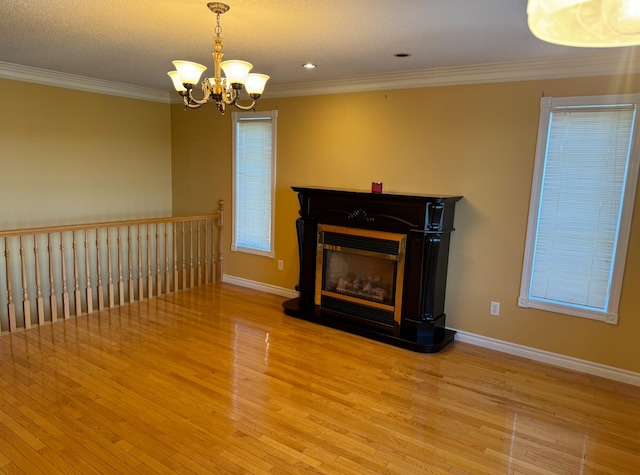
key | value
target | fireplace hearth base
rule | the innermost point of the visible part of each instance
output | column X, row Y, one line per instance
column 430, row 338
column 375, row 265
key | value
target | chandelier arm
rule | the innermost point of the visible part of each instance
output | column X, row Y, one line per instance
column 250, row 107
column 189, row 105
column 229, row 95
column 206, row 89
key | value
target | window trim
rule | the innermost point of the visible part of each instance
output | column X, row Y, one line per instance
column 547, row 104
column 236, row 118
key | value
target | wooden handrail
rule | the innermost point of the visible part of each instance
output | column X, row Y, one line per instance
column 117, row 253
column 106, row 224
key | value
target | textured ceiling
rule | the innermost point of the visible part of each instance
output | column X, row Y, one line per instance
column 134, row 42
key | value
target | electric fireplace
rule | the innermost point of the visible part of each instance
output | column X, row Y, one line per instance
column 375, row 265
column 360, row 273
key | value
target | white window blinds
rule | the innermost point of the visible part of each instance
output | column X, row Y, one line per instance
column 578, row 228
column 253, row 191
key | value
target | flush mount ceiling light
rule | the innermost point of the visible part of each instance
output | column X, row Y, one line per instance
column 586, row 23
column 223, row 91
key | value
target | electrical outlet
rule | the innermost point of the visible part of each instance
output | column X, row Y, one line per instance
column 280, row 264
column 495, row 309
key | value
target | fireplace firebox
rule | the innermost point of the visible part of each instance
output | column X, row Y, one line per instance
column 360, row 272
column 375, row 264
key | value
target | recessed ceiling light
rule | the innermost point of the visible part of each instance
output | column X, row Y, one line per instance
column 309, row 66
column 402, row 55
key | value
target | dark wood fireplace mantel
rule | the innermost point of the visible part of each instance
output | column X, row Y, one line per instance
column 427, row 223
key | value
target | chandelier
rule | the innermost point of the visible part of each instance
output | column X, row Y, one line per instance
column 588, row 23
column 223, row 91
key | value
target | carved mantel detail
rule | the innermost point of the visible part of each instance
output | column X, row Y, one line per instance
column 360, row 215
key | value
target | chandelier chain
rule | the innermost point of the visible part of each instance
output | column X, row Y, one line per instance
column 218, row 28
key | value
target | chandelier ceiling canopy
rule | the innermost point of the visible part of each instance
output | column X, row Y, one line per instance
column 221, row 90
column 586, row 23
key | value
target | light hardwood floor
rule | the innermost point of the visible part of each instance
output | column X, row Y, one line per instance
column 218, row 380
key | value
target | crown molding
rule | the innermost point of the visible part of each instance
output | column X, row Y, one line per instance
column 70, row 81
column 597, row 64
column 610, row 63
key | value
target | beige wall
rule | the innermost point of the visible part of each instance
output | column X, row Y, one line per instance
column 475, row 140
column 69, row 156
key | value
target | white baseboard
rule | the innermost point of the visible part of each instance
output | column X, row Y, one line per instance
column 534, row 354
column 555, row 359
column 252, row 284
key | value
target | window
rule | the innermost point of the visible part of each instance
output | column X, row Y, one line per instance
column 584, row 183
column 254, row 158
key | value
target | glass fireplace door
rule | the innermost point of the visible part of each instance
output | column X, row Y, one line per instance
column 360, row 272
